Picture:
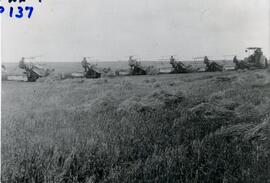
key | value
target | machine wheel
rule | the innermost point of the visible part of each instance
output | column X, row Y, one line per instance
column 32, row 76
column 92, row 74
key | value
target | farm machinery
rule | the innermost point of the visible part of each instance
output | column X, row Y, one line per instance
column 135, row 67
column 33, row 71
column 4, row 69
column 179, row 67
column 255, row 60
column 92, row 71
column 212, row 66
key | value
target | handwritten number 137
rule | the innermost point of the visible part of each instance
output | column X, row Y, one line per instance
column 19, row 13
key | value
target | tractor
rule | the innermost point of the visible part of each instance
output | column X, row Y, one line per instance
column 255, row 60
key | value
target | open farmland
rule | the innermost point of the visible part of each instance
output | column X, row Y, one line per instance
column 201, row 127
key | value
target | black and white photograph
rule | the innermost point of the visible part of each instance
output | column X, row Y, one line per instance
column 135, row 91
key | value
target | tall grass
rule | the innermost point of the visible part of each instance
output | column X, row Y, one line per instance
column 128, row 130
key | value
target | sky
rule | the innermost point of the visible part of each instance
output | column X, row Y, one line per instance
column 107, row 30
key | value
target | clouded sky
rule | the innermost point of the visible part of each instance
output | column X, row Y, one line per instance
column 66, row 30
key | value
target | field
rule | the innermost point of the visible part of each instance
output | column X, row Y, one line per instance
column 202, row 127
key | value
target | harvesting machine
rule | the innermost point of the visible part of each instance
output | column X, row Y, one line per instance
column 135, row 67
column 180, row 67
column 33, row 71
column 255, row 60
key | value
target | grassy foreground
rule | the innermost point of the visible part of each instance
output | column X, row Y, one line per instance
column 203, row 127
